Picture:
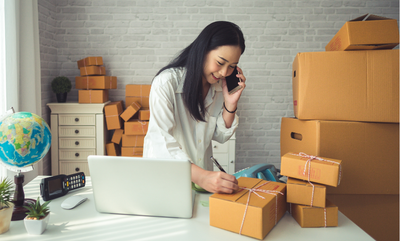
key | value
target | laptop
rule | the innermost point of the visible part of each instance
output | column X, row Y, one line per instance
column 142, row 186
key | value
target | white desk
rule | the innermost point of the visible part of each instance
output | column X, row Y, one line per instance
column 85, row 223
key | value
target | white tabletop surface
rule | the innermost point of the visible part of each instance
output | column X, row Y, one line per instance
column 85, row 223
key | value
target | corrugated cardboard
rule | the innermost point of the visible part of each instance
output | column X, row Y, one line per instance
column 142, row 100
column 130, row 111
column 112, row 111
column 136, row 127
column 92, row 70
column 369, row 151
column 113, row 149
column 89, row 61
column 347, row 85
column 92, row 96
column 323, row 172
column 312, row 217
column 377, row 215
column 366, row 32
column 227, row 210
column 301, row 192
column 132, row 151
column 144, row 115
column 132, row 141
column 117, row 136
column 137, row 90
column 96, row 82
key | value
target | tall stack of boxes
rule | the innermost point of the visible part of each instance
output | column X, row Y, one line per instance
column 347, row 108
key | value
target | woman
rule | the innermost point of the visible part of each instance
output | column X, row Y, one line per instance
column 190, row 104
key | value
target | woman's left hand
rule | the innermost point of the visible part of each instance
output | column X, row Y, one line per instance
column 232, row 100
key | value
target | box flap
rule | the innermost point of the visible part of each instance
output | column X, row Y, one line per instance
column 368, row 17
column 242, row 182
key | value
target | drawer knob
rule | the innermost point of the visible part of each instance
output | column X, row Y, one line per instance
column 77, row 169
column 76, row 131
column 77, row 143
column 215, row 146
column 76, row 119
column 77, row 154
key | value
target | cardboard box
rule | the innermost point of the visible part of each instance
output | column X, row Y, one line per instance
column 89, row 61
column 113, row 149
column 347, row 86
column 92, row 96
column 377, row 215
column 92, row 70
column 227, row 210
column 142, row 100
column 96, row 82
column 112, row 111
column 312, row 217
column 326, row 171
column 366, row 32
column 136, row 127
column 132, row 141
column 117, row 136
column 370, row 151
column 301, row 192
column 132, row 151
column 144, row 115
column 130, row 111
column 137, row 90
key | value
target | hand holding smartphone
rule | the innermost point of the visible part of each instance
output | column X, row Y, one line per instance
column 232, row 82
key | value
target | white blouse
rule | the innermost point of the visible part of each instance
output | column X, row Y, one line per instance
column 173, row 133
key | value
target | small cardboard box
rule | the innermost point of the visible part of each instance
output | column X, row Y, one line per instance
column 130, row 111
column 92, row 96
column 137, row 90
column 113, row 149
column 227, row 210
column 366, row 32
column 142, row 100
column 312, row 217
column 89, row 61
column 136, row 127
column 112, row 112
column 117, row 136
column 301, row 192
column 347, row 86
column 365, row 149
column 132, row 141
column 144, row 115
column 96, row 82
column 132, row 151
column 326, row 172
column 92, row 70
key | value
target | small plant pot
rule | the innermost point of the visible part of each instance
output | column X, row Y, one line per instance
column 62, row 98
column 36, row 227
column 5, row 218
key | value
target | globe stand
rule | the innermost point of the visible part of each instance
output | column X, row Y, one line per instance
column 19, row 201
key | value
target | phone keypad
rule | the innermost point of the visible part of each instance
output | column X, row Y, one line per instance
column 75, row 181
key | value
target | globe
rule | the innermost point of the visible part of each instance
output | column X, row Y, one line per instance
column 25, row 138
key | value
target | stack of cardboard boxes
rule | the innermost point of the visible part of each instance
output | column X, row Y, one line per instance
column 130, row 124
column 93, row 85
column 347, row 108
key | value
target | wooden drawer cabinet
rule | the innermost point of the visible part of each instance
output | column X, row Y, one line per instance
column 225, row 154
column 78, row 130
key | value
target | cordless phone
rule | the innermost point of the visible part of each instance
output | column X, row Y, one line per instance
column 58, row 186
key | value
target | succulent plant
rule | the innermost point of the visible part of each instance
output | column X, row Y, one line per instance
column 5, row 193
column 36, row 210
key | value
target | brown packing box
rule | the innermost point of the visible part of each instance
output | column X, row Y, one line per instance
column 136, row 127
column 132, row 151
column 92, row 70
column 137, row 90
column 369, row 151
column 96, row 82
column 144, row 115
column 366, row 32
column 89, row 61
column 92, row 96
column 347, row 85
column 113, row 149
column 323, row 172
column 312, row 217
column 130, row 111
column 142, row 100
column 132, row 141
column 300, row 192
column 377, row 215
column 227, row 210
column 112, row 112
column 117, row 136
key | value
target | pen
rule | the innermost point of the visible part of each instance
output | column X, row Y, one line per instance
column 217, row 164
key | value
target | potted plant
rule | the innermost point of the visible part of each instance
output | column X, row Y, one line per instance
column 61, row 85
column 37, row 218
column 6, row 206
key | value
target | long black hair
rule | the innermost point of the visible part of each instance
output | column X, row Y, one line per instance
column 216, row 34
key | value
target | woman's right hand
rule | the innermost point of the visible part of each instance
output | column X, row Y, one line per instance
column 214, row 182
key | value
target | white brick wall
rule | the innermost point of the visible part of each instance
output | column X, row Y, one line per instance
column 137, row 38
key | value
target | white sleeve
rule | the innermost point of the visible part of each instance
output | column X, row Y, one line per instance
column 222, row 134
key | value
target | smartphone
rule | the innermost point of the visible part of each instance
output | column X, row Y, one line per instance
column 232, row 82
